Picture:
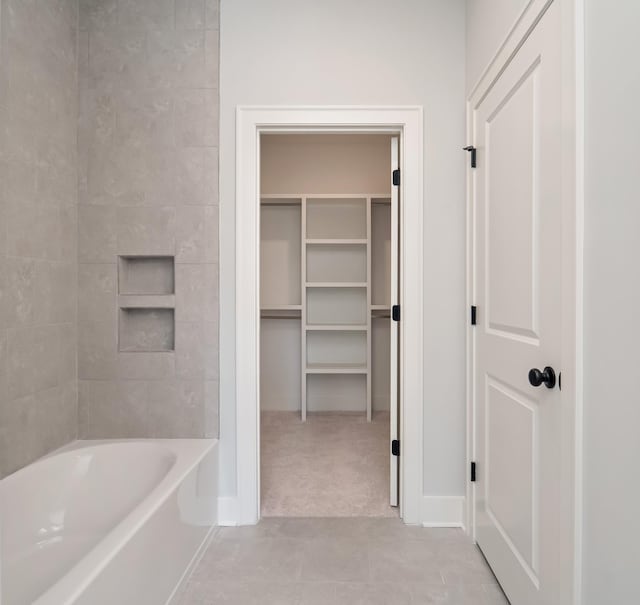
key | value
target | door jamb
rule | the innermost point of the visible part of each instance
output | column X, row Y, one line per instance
column 250, row 123
column 573, row 31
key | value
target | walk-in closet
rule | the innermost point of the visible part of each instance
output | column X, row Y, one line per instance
column 325, row 329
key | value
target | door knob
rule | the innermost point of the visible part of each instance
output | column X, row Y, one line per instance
column 546, row 377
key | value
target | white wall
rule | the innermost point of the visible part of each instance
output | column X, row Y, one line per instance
column 411, row 52
column 612, row 300
column 488, row 23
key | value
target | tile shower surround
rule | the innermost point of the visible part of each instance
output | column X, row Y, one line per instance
column 108, row 147
column 148, row 137
column 38, row 213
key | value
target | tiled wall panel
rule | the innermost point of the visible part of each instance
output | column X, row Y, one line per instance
column 38, row 228
column 148, row 173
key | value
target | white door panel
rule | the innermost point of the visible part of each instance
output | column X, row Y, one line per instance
column 518, row 294
column 511, row 265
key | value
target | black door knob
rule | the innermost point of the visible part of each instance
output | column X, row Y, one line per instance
column 546, row 377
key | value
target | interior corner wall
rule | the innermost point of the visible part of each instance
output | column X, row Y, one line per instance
column 406, row 52
column 611, row 300
column 488, row 23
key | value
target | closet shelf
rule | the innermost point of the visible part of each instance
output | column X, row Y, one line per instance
column 380, row 312
column 332, row 253
column 336, row 327
column 282, row 312
column 336, row 284
column 333, row 242
column 281, row 308
column 336, row 368
column 280, row 200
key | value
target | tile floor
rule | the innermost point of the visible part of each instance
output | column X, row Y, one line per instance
column 333, row 465
column 355, row 561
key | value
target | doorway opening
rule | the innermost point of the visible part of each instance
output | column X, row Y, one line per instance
column 328, row 340
column 253, row 122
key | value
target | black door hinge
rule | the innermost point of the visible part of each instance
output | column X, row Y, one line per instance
column 395, row 312
column 395, row 447
column 473, row 472
column 474, row 315
column 471, row 149
column 396, row 177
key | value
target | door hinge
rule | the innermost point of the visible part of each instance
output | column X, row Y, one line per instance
column 472, row 150
column 474, row 315
column 395, row 312
column 395, row 447
column 396, row 177
column 473, row 472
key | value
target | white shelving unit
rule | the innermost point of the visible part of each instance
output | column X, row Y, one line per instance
column 325, row 265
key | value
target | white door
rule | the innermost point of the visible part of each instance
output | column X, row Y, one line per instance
column 394, row 329
column 518, row 295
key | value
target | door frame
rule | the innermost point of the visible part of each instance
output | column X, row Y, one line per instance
column 572, row 15
column 251, row 122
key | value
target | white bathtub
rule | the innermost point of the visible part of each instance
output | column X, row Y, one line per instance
column 106, row 522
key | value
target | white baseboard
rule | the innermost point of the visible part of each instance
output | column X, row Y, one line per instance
column 227, row 511
column 437, row 511
column 443, row 511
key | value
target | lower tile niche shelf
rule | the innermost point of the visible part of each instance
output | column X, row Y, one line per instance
column 146, row 329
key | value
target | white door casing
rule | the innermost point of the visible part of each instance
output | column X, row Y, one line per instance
column 251, row 122
column 518, row 253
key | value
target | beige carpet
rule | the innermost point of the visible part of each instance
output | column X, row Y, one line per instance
column 334, row 465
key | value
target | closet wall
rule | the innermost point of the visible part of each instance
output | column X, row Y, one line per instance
column 323, row 165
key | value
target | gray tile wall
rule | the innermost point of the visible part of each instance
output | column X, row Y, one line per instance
column 38, row 228
column 148, row 174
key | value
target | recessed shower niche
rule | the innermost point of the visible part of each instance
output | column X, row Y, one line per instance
column 146, row 301
column 146, row 275
column 143, row 329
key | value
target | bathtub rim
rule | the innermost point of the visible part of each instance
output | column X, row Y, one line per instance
column 189, row 454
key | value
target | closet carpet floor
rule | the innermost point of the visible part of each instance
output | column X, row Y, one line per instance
column 333, row 465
